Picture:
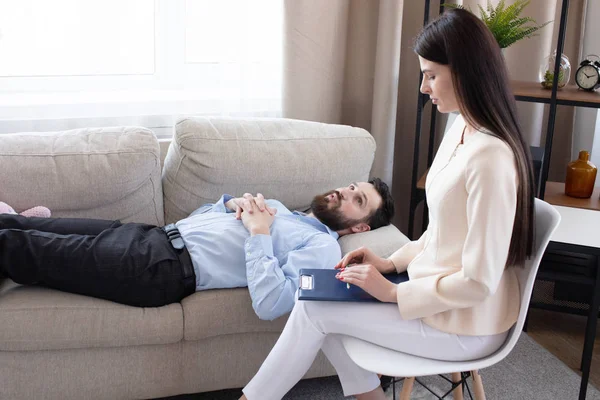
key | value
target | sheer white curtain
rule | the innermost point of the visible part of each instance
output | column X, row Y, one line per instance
column 68, row 63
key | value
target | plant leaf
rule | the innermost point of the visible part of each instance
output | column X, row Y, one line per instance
column 506, row 23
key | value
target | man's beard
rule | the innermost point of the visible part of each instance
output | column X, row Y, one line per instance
column 332, row 217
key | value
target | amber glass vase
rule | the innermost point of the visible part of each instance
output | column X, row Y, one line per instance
column 581, row 175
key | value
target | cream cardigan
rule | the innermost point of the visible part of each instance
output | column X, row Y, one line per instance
column 458, row 283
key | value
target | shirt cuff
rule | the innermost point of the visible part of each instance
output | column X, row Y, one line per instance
column 257, row 246
column 417, row 298
column 220, row 204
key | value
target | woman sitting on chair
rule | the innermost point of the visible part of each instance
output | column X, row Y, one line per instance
column 463, row 294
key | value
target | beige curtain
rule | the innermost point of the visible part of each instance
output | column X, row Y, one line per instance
column 341, row 66
column 351, row 62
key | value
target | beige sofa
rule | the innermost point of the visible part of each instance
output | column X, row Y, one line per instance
column 56, row 345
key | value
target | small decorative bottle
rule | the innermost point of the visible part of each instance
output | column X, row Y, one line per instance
column 546, row 72
column 581, row 175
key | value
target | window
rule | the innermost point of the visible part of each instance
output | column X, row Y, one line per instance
column 73, row 38
column 118, row 58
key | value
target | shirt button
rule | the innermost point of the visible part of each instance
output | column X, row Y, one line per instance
column 248, row 254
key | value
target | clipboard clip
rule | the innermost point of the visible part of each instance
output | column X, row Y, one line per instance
column 306, row 282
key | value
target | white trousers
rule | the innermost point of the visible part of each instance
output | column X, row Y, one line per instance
column 315, row 325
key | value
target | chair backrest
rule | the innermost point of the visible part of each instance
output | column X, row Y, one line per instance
column 546, row 221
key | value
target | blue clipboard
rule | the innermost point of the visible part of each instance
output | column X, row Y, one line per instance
column 322, row 285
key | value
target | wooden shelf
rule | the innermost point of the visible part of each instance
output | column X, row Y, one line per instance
column 568, row 95
column 555, row 194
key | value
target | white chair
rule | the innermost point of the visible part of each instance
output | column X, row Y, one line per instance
column 396, row 364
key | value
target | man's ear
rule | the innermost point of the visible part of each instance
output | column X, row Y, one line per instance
column 361, row 227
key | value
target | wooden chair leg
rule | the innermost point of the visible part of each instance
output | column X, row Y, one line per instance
column 407, row 388
column 457, row 394
column 477, row 385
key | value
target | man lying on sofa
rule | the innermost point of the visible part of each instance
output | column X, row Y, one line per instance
column 148, row 266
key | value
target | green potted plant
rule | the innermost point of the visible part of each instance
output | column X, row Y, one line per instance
column 508, row 26
column 549, row 78
column 506, row 23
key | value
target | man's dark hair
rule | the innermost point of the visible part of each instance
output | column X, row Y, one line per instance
column 384, row 214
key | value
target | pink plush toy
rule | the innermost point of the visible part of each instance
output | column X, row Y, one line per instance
column 39, row 211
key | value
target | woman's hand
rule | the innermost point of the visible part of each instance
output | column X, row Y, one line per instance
column 368, row 278
column 363, row 255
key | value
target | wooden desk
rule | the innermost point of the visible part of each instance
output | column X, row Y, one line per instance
column 579, row 232
column 578, row 226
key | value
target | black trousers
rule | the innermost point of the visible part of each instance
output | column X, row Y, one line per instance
column 133, row 264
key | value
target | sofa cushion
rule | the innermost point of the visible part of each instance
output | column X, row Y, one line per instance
column 289, row 160
column 36, row 318
column 109, row 173
column 223, row 312
column 383, row 241
column 229, row 311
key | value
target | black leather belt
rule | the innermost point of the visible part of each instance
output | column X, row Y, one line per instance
column 174, row 236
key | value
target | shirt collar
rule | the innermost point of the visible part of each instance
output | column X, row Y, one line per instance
column 317, row 224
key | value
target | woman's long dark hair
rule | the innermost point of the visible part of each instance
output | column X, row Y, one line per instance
column 457, row 38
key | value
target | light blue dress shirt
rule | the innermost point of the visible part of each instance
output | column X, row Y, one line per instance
column 224, row 254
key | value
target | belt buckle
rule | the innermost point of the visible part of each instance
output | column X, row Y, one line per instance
column 174, row 236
